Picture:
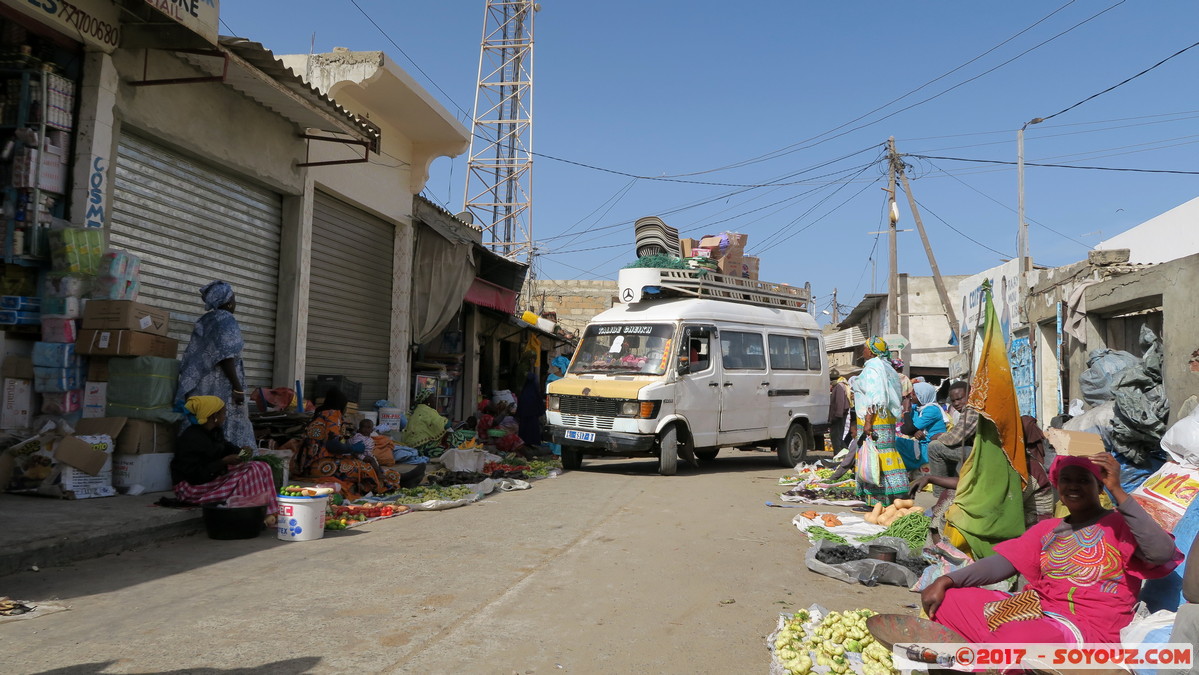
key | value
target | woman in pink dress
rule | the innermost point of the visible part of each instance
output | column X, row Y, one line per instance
column 1084, row 571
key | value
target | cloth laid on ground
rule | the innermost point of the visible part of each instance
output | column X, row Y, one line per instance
column 852, row 528
column 988, row 506
column 20, row 610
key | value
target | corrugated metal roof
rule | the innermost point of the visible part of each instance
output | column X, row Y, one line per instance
column 255, row 72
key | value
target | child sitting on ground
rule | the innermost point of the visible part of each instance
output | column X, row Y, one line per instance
column 366, row 429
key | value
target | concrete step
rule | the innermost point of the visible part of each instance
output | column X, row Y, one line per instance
column 51, row 532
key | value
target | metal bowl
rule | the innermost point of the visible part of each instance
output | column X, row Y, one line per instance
column 893, row 629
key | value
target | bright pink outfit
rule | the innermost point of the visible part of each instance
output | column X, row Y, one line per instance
column 1089, row 576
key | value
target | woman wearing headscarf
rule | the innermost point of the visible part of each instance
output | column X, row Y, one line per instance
column 1084, row 571
column 211, row 364
column 208, row 469
column 927, row 420
column 325, row 456
column 877, row 396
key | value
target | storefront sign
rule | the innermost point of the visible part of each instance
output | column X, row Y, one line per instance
column 198, row 16
column 93, row 22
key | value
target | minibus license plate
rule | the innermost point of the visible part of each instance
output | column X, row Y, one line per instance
column 573, row 435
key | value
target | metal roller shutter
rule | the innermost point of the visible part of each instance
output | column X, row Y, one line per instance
column 192, row 223
column 349, row 305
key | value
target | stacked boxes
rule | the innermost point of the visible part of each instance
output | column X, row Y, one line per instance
column 126, row 328
column 119, row 277
column 726, row 250
column 76, row 251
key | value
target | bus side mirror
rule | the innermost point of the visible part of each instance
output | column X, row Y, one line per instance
column 684, row 367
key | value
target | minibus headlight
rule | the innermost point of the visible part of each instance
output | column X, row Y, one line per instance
column 555, row 402
column 630, row 409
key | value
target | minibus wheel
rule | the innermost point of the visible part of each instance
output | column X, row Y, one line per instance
column 793, row 448
column 572, row 458
column 668, row 451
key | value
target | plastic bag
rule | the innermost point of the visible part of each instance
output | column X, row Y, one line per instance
column 1149, row 628
column 867, row 466
column 1181, row 441
column 1096, row 381
column 869, row 571
column 458, row 459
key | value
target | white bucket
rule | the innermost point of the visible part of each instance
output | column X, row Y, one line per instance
column 301, row 518
column 392, row 418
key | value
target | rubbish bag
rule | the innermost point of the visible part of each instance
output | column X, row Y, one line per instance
column 1182, row 440
column 1142, row 407
column 1146, row 628
column 869, row 571
column 1102, row 364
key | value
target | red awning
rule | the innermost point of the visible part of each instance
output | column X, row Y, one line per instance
column 487, row 294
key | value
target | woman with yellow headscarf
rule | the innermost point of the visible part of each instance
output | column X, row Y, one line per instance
column 877, row 394
column 207, row 469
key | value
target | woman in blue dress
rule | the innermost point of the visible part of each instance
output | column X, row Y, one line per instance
column 212, row 366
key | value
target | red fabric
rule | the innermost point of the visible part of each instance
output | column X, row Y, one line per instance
column 1062, row 461
column 1091, row 575
column 962, row 611
column 248, row 484
column 487, row 294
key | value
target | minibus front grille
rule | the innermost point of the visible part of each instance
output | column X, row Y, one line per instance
column 587, row 421
column 587, row 405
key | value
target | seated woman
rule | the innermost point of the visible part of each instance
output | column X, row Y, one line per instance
column 924, row 421
column 497, row 415
column 207, row 469
column 324, row 455
column 1084, row 571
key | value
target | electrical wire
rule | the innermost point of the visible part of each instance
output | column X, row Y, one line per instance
column 1009, row 208
column 231, row 31
column 1121, row 83
column 410, row 60
column 1055, row 166
column 769, row 244
column 1064, row 133
column 946, row 223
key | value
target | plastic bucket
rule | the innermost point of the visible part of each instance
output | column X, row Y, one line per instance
column 301, row 518
column 394, row 418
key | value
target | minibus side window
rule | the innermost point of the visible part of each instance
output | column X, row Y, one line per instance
column 788, row 353
column 814, row 354
column 697, row 350
column 742, row 351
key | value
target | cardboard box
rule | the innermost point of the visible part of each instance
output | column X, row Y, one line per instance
column 17, row 411
column 95, row 399
column 688, row 246
column 125, row 343
column 126, row 315
column 737, row 240
column 1075, row 443
column 151, row 472
column 140, row 437
column 730, row 264
column 18, row 368
column 97, row 369
column 750, row 264
column 713, row 246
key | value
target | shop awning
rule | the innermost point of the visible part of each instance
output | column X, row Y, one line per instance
column 254, row 71
column 487, row 294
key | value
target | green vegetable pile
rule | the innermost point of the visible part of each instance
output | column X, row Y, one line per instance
column 541, row 469
column 912, row 528
column 818, row 532
column 424, row 493
column 838, row 634
column 272, row 461
column 659, row 261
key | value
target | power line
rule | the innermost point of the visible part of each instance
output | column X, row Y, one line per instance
column 1057, row 166
column 410, row 60
column 971, row 187
column 768, row 244
column 231, row 31
column 1121, row 83
column 946, row 223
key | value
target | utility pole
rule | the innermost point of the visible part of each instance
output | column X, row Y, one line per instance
column 836, row 312
column 893, row 282
column 928, row 250
column 1022, row 225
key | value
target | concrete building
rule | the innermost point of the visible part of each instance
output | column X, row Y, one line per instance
column 574, row 303
column 1169, row 236
column 922, row 321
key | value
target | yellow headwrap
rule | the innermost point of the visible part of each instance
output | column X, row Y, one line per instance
column 204, row 407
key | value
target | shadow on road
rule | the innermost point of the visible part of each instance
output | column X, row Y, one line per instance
column 303, row 664
column 728, row 461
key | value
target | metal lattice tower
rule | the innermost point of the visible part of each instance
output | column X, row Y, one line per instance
column 499, row 172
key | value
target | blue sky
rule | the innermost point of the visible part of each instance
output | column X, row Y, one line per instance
column 670, row 87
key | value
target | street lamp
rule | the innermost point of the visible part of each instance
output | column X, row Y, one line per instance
column 1022, row 231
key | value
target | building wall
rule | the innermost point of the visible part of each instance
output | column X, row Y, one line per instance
column 575, row 302
column 923, row 321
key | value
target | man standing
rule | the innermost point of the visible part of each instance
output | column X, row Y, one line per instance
column 952, row 447
column 838, row 412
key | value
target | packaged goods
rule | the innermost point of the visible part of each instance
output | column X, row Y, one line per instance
column 125, row 315
column 125, row 343
column 143, row 388
column 59, row 330
column 56, row 355
column 56, row 380
column 62, row 403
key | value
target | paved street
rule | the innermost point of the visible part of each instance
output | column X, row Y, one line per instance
column 609, row 570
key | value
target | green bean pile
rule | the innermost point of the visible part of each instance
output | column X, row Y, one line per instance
column 818, row 532
column 912, row 528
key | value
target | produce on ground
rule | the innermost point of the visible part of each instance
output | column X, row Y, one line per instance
column 912, row 528
column 831, row 520
column 817, row 532
column 898, row 509
column 458, row 478
column 832, row 493
column 539, row 468
column 424, row 493
column 835, row 555
column 837, row 635
column 810, row 515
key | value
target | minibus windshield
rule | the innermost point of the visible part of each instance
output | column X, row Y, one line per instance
column 643, row 349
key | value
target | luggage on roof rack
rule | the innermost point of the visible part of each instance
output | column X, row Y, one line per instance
column 649, row 284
